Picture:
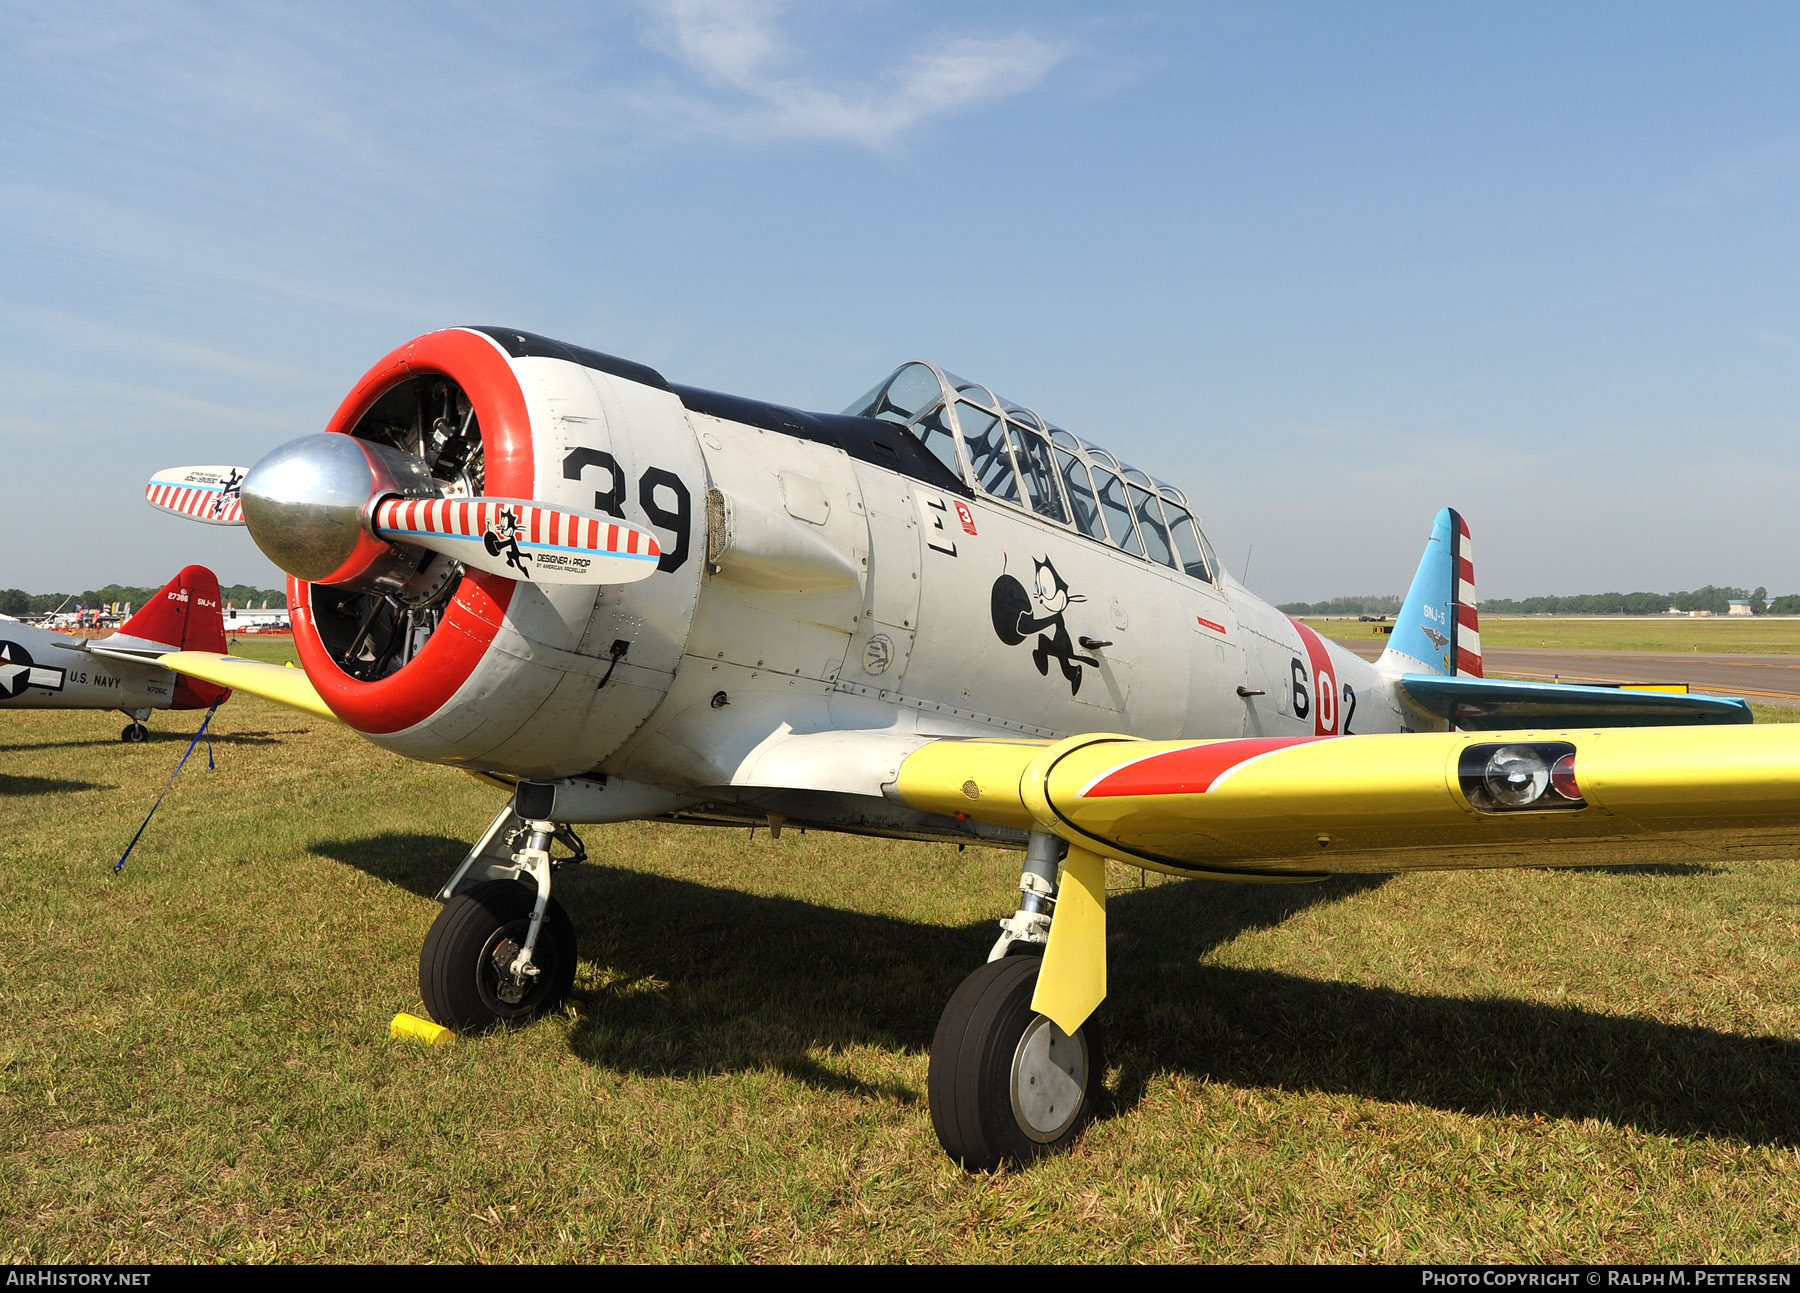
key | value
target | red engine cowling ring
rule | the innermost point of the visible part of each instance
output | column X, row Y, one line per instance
column 420, row 688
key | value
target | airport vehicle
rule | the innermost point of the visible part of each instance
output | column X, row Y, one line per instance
column 935, row 616
column 44, row 670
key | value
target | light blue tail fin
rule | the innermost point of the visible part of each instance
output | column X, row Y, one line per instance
column 1437, row 630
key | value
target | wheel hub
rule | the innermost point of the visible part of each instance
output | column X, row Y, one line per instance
column 510, row 987
column 1049, row 1079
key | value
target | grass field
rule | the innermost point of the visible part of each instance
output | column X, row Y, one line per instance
column 1755, row 636
column 194, row 1060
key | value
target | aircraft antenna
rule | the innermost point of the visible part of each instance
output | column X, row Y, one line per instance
column 1245, row 577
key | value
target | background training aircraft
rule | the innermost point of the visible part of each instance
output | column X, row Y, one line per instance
column 934, row 616
column 44, row 670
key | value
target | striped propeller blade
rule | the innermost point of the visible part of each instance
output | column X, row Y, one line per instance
column 522, row 540
column 205, row 494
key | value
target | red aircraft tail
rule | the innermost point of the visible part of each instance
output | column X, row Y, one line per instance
column 185, row 616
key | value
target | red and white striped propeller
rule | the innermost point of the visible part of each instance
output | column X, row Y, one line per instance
column 520, row 539
column 515, row 538
column 206, row 494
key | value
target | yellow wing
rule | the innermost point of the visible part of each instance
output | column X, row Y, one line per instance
column 1301, row 808
column 275, row 682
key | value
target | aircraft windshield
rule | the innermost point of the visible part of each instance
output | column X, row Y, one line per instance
column 1010, row 453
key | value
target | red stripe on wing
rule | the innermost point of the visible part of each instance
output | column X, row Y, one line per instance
column 1191, row 770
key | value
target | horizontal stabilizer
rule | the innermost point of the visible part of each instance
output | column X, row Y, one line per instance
column 279, row 683
column 206, row 494
column 132, row 650
column 1487, row 704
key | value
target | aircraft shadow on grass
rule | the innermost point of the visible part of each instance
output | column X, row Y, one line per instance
column 1655, row 869
column 11, row 785
column 157, row 737
column 693, row 978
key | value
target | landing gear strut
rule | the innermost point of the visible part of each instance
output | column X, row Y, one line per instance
column 1006, row 1085
column 503, row 951
column 135, row 732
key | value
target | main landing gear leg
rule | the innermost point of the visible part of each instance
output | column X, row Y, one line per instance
column 1028, row 928
column 135, row 732
column 502, row 951
column 1007, row 1084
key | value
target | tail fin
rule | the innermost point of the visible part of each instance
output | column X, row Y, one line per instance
column 1437, row 630
column 184, row 616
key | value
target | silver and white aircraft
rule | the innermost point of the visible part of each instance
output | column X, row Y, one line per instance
column 935, row 616
column 44, row 670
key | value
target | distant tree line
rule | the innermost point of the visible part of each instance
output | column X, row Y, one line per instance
column 17, row 602
column 1368, row 604
column 1710, row 598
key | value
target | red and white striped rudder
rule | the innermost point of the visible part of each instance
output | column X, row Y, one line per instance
column 1466, row 656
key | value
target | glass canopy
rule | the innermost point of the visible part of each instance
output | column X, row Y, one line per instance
column 1008, row 452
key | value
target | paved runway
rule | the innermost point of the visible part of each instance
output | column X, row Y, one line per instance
column 1766, row 679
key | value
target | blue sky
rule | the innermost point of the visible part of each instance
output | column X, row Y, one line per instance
column 1328, row 266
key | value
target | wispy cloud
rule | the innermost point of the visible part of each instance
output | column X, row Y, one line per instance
column 732, row 41
column 1741, row 175
column 757, row 84
column 102, row 398
column 89, row 336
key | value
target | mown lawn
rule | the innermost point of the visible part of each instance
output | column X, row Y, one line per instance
column 194, row 1060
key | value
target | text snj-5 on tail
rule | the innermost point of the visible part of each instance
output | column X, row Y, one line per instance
column 936, row 615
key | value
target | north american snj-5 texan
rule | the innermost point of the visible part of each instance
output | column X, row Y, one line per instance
column 123, row 670
column 935, row 616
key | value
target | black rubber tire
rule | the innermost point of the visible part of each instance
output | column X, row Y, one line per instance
column 458, row 978
column 971, row 1070
column 135, row 734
